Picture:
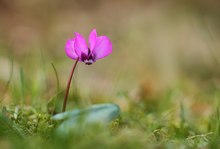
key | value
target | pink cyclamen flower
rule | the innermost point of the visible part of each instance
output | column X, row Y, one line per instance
column 99, row 47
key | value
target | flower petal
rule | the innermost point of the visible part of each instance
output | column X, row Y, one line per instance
column 69, row 49
column 103, row 47
column 92, row 39
column 80, row 45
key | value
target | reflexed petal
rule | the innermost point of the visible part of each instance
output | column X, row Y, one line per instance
column 103, row 47
column 92, row 39
column 80, row 45
column 69, row 48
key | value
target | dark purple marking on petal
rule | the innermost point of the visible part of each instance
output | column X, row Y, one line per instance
column 89, row 58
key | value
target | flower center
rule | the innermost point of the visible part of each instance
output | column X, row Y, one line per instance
column 89, row 58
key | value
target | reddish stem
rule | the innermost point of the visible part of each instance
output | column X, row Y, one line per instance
column 68, row 85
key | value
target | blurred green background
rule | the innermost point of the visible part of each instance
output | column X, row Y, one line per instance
column 158, row 46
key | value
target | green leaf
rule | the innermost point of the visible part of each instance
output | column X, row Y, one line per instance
column 7, row 128
column 101, row 114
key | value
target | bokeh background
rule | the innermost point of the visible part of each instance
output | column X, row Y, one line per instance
column 161, row 49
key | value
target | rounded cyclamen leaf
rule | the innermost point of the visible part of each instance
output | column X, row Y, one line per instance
column 92, row 39
column 103, row 47
column 69, row 49
column 80, row 45
column 101, row 114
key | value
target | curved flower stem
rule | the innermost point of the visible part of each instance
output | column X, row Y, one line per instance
column 68, row 86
